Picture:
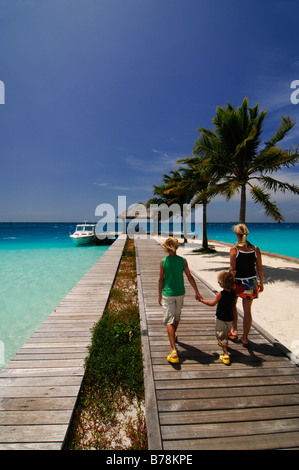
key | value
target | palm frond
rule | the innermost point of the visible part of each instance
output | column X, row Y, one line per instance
column 228, row 157
column 275, row 185
column 274, row 158
column 230, row 188
column 284, row 127
column 190, row 161
column 249, row 139
column 263, row 198
column 206, row 132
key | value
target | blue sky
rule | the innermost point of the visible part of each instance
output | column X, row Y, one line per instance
column 103, row 96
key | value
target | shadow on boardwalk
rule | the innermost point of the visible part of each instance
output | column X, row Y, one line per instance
column 202, row 404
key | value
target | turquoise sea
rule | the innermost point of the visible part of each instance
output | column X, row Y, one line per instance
column 282, row 238
column 39, row 265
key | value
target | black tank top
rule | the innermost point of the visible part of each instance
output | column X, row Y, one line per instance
column 246, row 264
column 225, row 305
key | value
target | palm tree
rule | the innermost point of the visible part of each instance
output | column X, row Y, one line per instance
column 159, row 198
column 170, row 192
column 231, row 155
column 198, row 187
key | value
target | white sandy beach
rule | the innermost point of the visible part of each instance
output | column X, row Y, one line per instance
column 277, row 308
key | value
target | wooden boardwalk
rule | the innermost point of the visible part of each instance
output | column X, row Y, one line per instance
column 40, row 385
column 201, row 403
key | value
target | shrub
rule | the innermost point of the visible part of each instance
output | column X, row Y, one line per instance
column 115, row 357
column 109, row 413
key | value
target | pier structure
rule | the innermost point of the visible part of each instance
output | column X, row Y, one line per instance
column 200, row 403
column 40, row 385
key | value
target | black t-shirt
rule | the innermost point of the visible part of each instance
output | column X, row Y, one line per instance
column 225, row 305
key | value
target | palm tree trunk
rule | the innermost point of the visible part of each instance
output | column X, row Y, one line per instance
column 185, row 228
column 242, row 217
column 204, row 226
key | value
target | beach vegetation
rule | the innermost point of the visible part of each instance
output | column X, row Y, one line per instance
column 187, row 185
column 233, row 157
column 110, row 411
column 198, row 186
column 230, row 160
column 170, row 192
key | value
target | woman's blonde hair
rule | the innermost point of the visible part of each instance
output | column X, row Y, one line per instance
column 171, row 245
column 226, row 279
column 242, row 231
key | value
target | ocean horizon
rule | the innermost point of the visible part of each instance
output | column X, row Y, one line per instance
column 276, row 238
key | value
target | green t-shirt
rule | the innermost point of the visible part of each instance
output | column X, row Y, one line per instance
column 173, row 284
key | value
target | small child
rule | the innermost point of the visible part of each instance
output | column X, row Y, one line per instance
column 225, row 301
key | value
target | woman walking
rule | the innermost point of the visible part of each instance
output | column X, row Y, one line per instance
column 246, row 264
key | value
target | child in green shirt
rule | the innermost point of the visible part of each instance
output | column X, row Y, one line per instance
column 172, row 291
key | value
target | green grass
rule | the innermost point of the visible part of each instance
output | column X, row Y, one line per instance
column 115, row 358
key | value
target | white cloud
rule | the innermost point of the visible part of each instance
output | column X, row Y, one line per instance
column 295, row 65
column 123, row 188
column 278, row 97
column 161, row 162
column 274, row 96
column 130, row 188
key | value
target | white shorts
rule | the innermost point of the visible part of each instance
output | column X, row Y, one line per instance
column 172, row 307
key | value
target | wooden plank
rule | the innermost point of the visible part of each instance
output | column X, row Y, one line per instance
column 256, row 442
column 43, row 404
column 232, row 415
column 30, row 446
column 37, row 381
column 16, row 418
column 43, row 372
column 200, row 403
column 227, row 383
column 40, row 385
column 45, row 433
column 244, row 428
column 38, row 391
column 151, row 410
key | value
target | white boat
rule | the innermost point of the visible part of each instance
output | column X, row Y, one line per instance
column 84, row 234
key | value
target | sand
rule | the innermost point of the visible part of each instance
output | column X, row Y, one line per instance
column 277, row 308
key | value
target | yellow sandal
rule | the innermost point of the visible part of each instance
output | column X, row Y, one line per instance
column 225, row 359
column 170, row 358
